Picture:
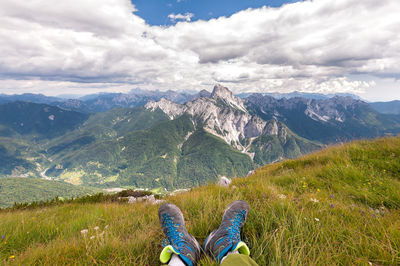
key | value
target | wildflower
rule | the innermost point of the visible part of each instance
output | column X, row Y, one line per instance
column 331, row 196
column 318, row 190
column 316, row 219
column 105, row 227
column 3, row 236
column 12, row 257
column 92, row 237
column 281, row 196
column 84, row 232
column 314, row 200
column 96, row 228
column 333, row 206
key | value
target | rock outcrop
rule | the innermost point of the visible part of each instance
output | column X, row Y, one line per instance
column 222, row 114
column 226, row 116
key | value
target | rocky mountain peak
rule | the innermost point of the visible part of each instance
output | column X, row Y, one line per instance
column 222, row 93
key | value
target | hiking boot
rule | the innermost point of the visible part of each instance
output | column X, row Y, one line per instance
column 227, row 237
column 179, row 241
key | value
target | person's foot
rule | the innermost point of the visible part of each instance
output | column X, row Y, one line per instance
column 227, row 237
column 180, row 242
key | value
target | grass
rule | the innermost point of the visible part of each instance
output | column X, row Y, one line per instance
column 336, row 206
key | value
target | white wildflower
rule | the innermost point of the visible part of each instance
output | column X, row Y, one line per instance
column 92, row 237
column 314, row 200
column 281, row 196
column 96, row 228
column 84, row 232
column 316, row 219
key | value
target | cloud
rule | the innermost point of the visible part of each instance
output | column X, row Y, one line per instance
column 186, row 17
column 102, row 45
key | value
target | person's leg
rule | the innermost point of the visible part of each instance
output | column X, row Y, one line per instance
column 238, row 259
column 226, row 239
column 176, row 261
column 182, row 247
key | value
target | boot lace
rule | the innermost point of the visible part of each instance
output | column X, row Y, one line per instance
column 234, row 229
column 175, row 237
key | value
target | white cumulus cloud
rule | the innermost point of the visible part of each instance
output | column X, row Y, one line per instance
column 102, row 45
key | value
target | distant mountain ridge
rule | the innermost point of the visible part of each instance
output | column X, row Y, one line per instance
column 178, row 141
column 330, row 120
column 28, row 97
column 392, row 107
column 100, row 102
column 298, row 94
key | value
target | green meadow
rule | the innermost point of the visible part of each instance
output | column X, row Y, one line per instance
column 340, row 206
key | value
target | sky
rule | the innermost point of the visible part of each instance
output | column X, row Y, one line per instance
column 90, row 46
column 168, row 12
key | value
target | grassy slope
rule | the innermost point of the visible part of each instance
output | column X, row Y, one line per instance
column 23, row 190
column 162, row 156
column 355, row 221
column 205, row 157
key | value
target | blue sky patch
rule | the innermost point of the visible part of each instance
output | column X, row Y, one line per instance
column 168, row 12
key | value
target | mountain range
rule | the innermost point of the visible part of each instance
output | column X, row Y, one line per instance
column 333, row 120
column 100, row 102
column 171, row 140
column 138, row 98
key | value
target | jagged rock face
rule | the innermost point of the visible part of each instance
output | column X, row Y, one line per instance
column 225, row 95
column 171, row 109
column 325, row 110
column 331, row 109
column 222, row 114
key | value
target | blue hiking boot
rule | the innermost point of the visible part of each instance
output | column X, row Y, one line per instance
column 227, row 237
column 180, row 242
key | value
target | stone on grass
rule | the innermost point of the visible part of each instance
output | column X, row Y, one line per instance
column 250, row 173
column 224, row 181
column 149, row 199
